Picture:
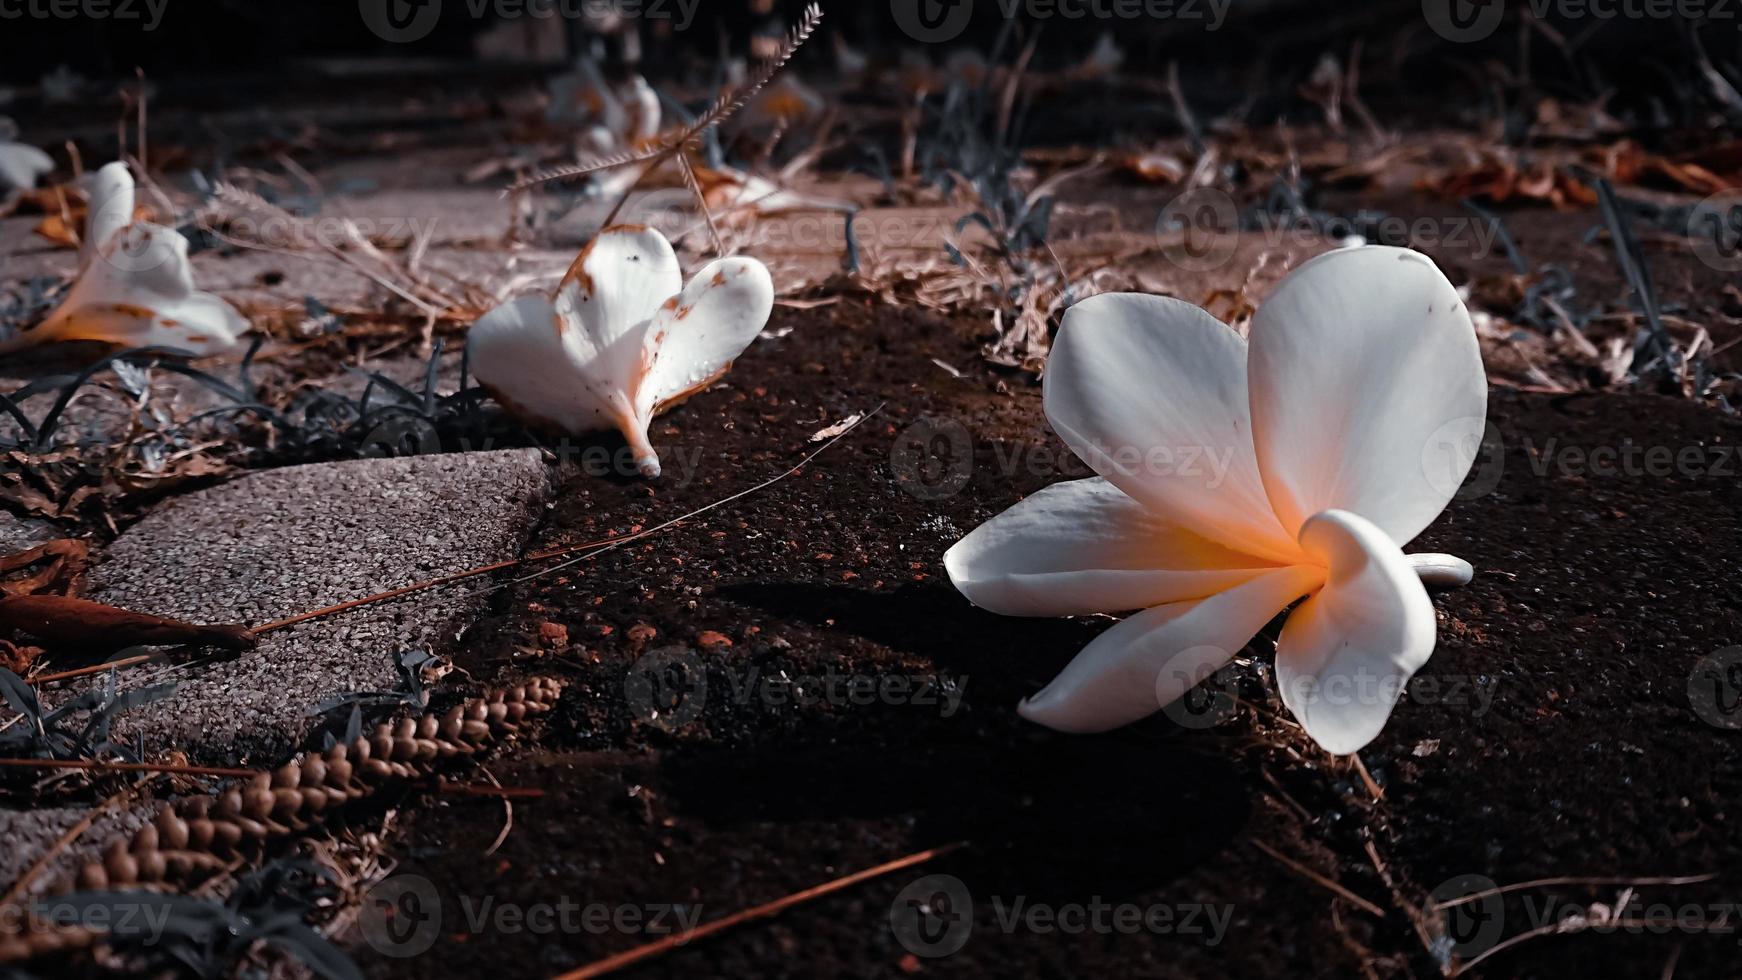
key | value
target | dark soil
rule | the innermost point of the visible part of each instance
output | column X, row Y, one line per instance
column 1551, row 734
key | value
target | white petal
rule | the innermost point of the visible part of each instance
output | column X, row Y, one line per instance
column 644, row 102
column 613, row 288
column 109, row 192
column 1084, row 547
column 1151, row 393
column 619, row 341
column 1346, row 653
column 697, row 333
column 1367, row 385
column 21, row 164
column 1149, row 660
column 1438, row 571
column 138, row 291
column 517, row 351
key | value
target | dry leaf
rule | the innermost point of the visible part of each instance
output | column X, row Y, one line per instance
column 62, row 621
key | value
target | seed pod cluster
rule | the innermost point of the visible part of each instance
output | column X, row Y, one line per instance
column 200, row 836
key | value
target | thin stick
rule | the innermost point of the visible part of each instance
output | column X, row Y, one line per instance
column 494, row 792
column 592, row 548
column 612, row 964
column 723, row 501
column 1551, row 882
column 95, row 766
column 66, row 840
column 1564, row 928
column 695, row 186
column 1319, row 879
column 1367, row 779
column 67, row 675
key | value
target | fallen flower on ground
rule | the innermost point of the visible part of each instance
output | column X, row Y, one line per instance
column 1237, row 477
column 622, row 339
column 20, row 163
column 135, row 286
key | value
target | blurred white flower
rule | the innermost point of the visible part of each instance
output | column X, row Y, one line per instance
column 622, row 339
column 135, row 285
column 1236, row 478
column 20, row 166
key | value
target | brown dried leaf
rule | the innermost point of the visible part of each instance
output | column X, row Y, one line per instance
column 63, row 621
column 64, row 562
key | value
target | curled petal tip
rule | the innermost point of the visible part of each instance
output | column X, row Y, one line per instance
column 1438, row 571
column 1050, row 709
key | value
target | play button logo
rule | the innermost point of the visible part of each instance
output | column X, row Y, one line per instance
column 400, row 21
column 1463, row 21
column 932, row 21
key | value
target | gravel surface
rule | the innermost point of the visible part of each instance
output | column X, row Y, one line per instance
column 30, row 833
column 287, row 541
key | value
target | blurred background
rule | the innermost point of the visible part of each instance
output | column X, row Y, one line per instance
column 1654, row 63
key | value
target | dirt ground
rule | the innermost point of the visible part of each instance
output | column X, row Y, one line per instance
column 1550, row 735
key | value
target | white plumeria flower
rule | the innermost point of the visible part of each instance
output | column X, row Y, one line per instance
column 623, row 338
column 20, row 163
column 1237, row 477
column 135, row 286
